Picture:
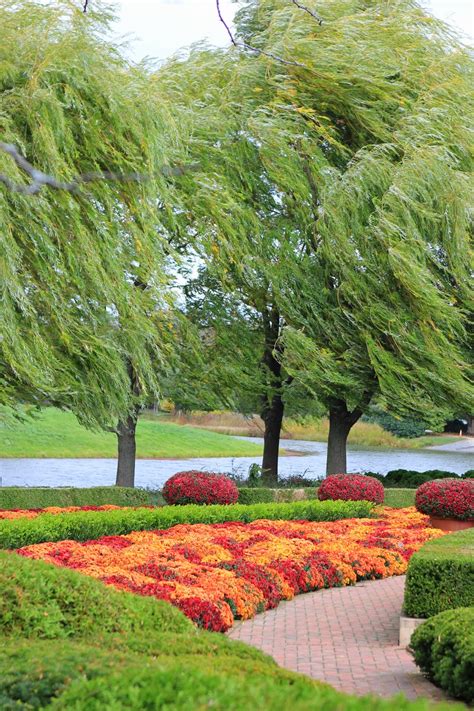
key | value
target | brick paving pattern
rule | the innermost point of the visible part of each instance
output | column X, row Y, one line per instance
column 347, row 637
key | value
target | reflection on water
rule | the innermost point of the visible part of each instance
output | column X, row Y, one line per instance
column 154, row 472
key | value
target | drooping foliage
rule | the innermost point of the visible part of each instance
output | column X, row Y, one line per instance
column 84, row 302
column 342, row 176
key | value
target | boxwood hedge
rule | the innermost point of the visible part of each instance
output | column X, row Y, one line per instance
column 15, row 497
column 440, row 575
column 85, row 525
column 443, row 648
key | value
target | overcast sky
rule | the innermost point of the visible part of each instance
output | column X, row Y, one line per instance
column 160, row 27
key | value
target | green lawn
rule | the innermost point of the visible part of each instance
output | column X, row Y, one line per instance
column 58, row 434
column 399, row 498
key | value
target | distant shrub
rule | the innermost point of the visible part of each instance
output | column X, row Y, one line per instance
column 195, row 487
column 449, row 498
column 399, row 426
column 408, row 478
column 469, row 474
column 351, row 487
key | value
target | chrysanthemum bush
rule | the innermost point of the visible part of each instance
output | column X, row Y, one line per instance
column 447, row 498
column 351, row 487
column 221, row 572
column 195, row 487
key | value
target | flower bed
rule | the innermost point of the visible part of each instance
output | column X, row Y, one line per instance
column 12, row 514
column 221, row 572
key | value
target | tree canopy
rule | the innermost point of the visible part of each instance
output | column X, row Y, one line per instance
column 353, row 153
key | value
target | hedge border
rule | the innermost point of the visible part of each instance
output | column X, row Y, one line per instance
column 15, row 497
column 440, row 575
column 87, row 525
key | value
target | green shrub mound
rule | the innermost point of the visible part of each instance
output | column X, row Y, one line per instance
column 39, row 599
column 13, row 497
column 86, row 525
column 443, row 648
column 440, row 576
column 182, row 689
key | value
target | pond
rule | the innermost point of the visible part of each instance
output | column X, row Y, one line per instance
column 309, row 459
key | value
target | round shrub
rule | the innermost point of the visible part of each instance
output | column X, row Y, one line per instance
column 195, row 487
column 351, row 487
column 447, row 498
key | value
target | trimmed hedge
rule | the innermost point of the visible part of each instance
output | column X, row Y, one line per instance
column 183, row 689
column 440, row 575
column 397, row 498
column 14, row 497
column 85, row 525
column 443, row 648
column 249, row 495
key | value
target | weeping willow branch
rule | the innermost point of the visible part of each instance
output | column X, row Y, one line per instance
column 39, row 180
column 245, row 45
column 307, row 9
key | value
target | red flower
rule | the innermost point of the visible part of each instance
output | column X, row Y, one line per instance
column 196, row 487
column 351, row 487
column 447, row 498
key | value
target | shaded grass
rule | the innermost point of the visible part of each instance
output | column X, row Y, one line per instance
column 58, row 434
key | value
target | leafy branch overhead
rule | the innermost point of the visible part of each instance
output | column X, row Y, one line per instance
column 39, row 179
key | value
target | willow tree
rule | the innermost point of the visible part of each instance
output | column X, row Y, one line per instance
column 85, row 307
column 360, row 130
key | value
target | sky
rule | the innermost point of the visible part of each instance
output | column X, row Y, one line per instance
column 161, row 27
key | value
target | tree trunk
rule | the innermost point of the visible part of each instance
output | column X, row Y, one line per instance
column 470, row 426
column 126, row 450
column 340, row 422
column 273, row 418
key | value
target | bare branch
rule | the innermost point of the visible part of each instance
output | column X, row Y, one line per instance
column 307, row 9
column 39, row 179
column 244, row 45
column 84, row 8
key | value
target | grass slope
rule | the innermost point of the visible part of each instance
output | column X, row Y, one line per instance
column 58, row 434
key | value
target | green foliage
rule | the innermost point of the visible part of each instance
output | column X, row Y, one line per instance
column 74, row 323
column 250, row 495
column 396, row 498
column 443, row 648
column 182, row 689
column 83, row 526
column 440, row 575
column 409, row 427
column 13, row 497
column 41, row 600
column 411, row 479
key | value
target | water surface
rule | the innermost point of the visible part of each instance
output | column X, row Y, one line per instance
column 154, row 472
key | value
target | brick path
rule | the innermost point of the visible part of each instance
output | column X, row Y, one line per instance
column 347, row 637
